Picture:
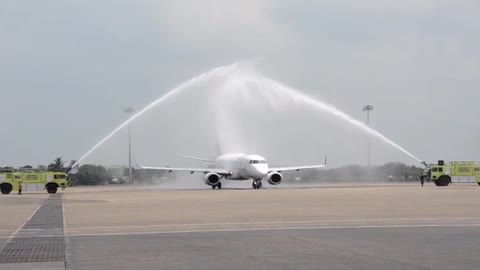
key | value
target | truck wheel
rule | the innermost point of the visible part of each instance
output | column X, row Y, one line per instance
column 443, row 181
column 5, row 188
column 478, row 183
column 52, row 189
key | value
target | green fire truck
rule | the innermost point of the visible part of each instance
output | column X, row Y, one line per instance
column 50, row 181
column 442, row 173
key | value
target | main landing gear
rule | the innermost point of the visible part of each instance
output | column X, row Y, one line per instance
column 257, row 184
column 219, row 186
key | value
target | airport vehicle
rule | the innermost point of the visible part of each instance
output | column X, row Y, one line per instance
column 239, row 167
column 50, row 181
column 442, row 174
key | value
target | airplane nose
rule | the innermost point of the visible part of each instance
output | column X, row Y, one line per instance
column 262, row 170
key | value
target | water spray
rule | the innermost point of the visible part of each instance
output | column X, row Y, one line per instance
column 263, row 83
column 277, row 87
column 216, row 71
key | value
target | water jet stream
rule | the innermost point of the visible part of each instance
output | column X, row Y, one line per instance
column 214, row 72
column 263, row 83
column 269, row 84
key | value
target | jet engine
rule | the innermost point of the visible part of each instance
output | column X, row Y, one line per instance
column 212, row 179
column 274, row 178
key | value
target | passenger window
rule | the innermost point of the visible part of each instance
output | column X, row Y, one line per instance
column 435, row 170
column 440, row 169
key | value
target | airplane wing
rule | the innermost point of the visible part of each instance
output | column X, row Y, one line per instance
column 295, row 168
column 191, row 170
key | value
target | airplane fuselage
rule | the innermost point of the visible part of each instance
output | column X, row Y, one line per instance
column 242, row 166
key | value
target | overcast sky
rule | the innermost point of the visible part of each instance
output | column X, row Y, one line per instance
column 69, row 68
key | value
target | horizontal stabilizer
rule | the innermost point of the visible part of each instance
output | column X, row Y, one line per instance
column 197, row 158
column 298, row 168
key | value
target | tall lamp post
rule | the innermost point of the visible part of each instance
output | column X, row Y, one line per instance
column 129, row 110
column 368, row 109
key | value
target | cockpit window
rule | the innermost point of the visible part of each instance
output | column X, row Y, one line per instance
column 256, row 161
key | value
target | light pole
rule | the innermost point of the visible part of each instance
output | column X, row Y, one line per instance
column 129, row 110
column 368, row 109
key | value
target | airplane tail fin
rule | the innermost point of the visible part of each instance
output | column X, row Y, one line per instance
column 219, row 151
column 136, row 166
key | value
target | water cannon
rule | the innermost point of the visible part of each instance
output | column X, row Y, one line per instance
column 424, row 163
column 72, row 170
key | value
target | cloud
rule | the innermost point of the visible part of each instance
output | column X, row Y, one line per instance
column 223, row 25
column 417, row 61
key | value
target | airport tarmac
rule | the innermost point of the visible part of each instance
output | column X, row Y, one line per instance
column 327, row 227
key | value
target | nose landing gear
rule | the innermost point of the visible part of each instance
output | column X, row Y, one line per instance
column 257, row 184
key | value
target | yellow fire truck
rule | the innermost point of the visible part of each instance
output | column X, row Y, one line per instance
column 50, row 181
column 462, row 171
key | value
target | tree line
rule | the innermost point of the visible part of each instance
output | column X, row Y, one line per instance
column 389, row 172
column 91, row 174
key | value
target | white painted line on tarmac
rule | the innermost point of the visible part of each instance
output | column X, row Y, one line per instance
column 31, row 230
column 19, row 228
column 268, row 223
column 399, row 226
column 67, row 246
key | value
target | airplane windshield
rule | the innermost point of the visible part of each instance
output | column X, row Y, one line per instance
column 257, row 161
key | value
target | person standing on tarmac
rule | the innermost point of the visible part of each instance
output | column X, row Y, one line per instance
column 422, row 180
column 20, row 188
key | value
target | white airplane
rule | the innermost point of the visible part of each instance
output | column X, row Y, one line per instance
column 239, row 167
